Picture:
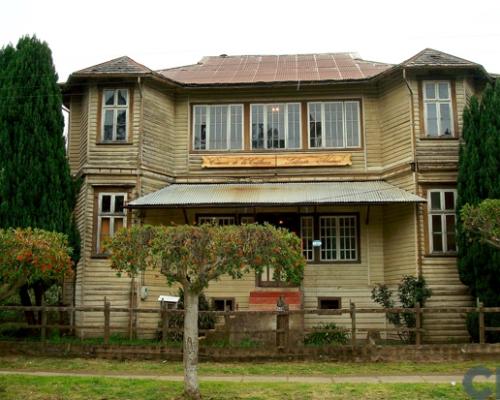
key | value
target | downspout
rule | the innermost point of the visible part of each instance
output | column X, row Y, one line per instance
column 139, row 165
column 417, row 210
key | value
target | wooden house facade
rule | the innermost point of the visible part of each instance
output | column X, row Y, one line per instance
column 359, row 158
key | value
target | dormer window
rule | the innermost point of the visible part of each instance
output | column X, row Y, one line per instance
column 437, row 109
column 115, row 105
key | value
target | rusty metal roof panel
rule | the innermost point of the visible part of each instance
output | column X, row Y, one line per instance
column 255, row 194
column 247, row 69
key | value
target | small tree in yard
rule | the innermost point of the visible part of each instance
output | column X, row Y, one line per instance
column 193, row 256
column 411, row 291
column 28, row 255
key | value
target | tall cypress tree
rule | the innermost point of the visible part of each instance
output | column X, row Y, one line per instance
column 479, row 179
column 36, row 188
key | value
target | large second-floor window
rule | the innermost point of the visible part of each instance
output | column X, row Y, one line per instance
column 334, row 124
column 218, row 127
column 115, row 115
column 437, row 109
column 275, row 126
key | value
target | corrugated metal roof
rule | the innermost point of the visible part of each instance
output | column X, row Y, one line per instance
column 246, row 69
column 250, row 194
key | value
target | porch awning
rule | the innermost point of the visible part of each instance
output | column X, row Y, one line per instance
column 272, row 194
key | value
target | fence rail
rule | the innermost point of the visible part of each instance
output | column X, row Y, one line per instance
column 282, row 329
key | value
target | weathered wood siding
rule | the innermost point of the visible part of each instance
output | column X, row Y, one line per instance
column 399, row 238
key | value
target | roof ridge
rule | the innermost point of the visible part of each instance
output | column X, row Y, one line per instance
column 111, row 62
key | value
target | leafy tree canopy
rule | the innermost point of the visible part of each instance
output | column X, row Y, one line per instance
column 483, row 221
column 29, row 255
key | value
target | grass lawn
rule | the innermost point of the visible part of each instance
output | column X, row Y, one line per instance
column 269, row 368
column 65, row 388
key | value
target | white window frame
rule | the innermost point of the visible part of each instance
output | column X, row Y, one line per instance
column 307, row 252
column 112, row 215
column 115, row 108
column 344, row 129
column 438, row 102
column 228, row 123
column 338, row 258
column 266, row 105
column 443, row 213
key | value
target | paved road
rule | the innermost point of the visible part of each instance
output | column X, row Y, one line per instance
column 265, row 378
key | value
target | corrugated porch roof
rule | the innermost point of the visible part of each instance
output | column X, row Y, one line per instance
column 261, row 194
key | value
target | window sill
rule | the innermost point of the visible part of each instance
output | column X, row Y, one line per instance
column 115, row 143
column 441, row 255
column 99, row 256
column 438, row 138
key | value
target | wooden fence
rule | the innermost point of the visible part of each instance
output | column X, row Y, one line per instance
column 281, row 331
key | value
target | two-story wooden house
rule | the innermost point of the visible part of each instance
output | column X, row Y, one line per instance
column 359, row 158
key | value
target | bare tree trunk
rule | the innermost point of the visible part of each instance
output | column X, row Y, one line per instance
column 190, row 354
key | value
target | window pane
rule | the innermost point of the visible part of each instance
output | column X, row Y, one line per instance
column 327, row 227
column 119, row 200
column 445, row 119
column 306, row 234
column 109, row 97
column 108, row 124
column 449, row 200
column 257, row 127
column 119, row 223
column 106, row 204
column 450, row 232
column 122, row 97
column 276, row 126
column 105, row 232
column 121, row 124
column 435, row 200
column 334, row 125
column 200, row 127
column 347, row 230
column 437, row 233
column 315, row 125
column 432, row 122
column 218, row 127
column 236, row 127
column 352, row 123
column 293, row 126
column 443, row 91
column 430, row 91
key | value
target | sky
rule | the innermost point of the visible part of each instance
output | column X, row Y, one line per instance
column 162, row 34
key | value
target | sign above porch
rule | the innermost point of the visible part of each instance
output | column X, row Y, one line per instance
column 277, row 160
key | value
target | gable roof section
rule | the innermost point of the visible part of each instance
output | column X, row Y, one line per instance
column 120, row 65
column 251, row 69
column 435, row 58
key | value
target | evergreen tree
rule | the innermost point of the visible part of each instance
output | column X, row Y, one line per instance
column 479, row 179
column 36, row 188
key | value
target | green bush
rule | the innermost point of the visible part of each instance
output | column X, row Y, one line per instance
column 329, row 334
column 411, row 291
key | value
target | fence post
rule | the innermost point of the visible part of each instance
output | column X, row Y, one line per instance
column 418, row 325
column 353, row 324
column 481, row 323
column 107, row 315
column 43, row 323
column 164, row 322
